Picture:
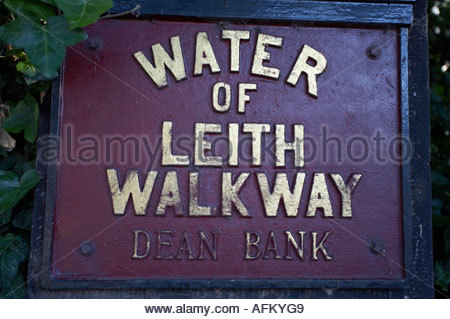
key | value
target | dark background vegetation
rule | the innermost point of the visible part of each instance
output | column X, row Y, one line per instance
column 439, row 39
column 25, row 80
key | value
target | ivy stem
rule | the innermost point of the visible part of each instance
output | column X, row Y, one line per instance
column 121, row 14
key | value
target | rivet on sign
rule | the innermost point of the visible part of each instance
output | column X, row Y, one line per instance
column 373, row 52
column 376, row 248
column 86, row 248
column 95, row 43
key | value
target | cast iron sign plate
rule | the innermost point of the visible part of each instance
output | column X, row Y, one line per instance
column 251, row 156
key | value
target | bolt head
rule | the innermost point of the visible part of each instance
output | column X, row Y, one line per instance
column 377, row 248
column 86, row 249
column 373, row 52
column 95, row 43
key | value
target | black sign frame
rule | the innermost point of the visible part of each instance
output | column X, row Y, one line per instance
column 418, row 283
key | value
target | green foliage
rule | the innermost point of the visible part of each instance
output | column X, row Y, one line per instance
column 29, row 8
column 12, row 189
column 81, row 13
column 13, row 251
column 31, row 74
column 45, row 45
column 442, row 276
column 439, row 31
column 22, row 219
column 5, row 216
column 24, row 117
column 34, row 36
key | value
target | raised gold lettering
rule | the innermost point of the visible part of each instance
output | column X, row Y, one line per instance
column 291, row 240
column 136, row 254
column 170, row 195
column 256, row 130
column 185, row 246
column 243, row 97
column 302, row 66
column 249, row 243
column 233, row 144
column 282, row 146
column 162, row 61
column 168, row 158
column 201, row 145
column 235, row 37
column 131, row 188
column 215, row 97
column 195, row 209
column 230, row 194
column 211, row 247
column 204, row 55
column 346, row 192
column 261, row 55
column 319, row 247
column 161, row 242
column 319, row 198
column 281, row 190
column 272, row 246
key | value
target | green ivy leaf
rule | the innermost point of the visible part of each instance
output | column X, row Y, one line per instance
column 442, row 275
column 12, row 189
column 24, row 7
column 13, row 251
column 31, row 74
column 45, row 45
column 23, row 220
column 26, row 68
column 24, row 117
column 11, row 160
column 17, row 289
column 81, row 13
column 5, row 216
column 22, row 167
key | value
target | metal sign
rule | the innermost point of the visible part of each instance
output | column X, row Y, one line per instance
column 198, row 154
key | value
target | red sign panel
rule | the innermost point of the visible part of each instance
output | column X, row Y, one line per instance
column 209, row 151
